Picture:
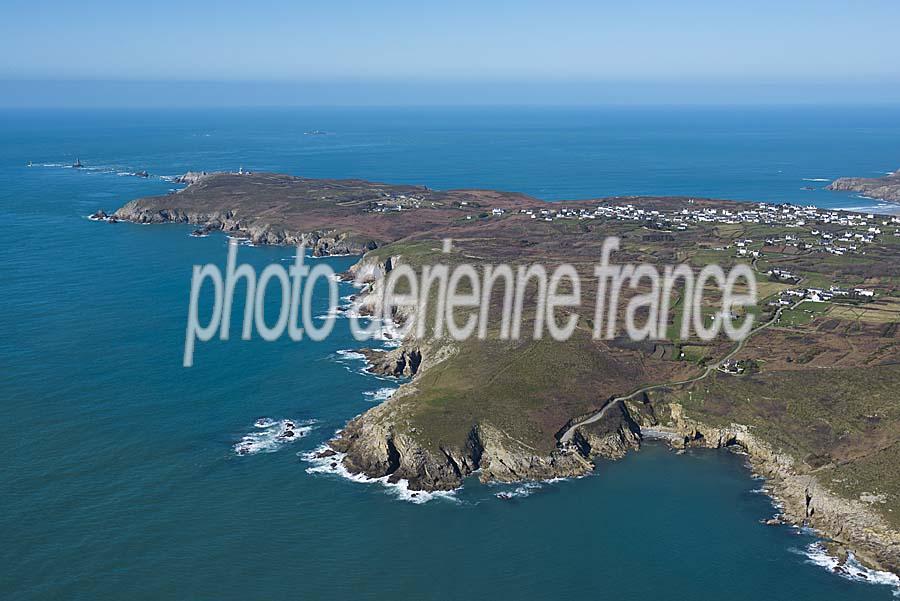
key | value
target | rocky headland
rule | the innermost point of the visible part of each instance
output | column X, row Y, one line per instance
column 885, row 188
column 499, row 409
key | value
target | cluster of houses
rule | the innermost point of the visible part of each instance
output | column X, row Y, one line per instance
column 832, row 231
column 736, row 367
column 551, row 214
column 835, row 232
column 790, row 297
column 770, row 214
column 783, row 275
column 394, row 202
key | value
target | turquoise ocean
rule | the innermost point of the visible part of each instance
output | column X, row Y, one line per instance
column 120, row 478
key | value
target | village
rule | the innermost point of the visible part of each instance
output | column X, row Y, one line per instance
column 832, row 231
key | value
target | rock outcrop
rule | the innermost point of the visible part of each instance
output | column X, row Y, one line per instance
column 321, row 243
column 352, row 217
column 399, row 362
column 191, row 177
column 378, row 445
column 611, row 437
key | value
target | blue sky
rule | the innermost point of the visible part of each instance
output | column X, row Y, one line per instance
column 762, row 50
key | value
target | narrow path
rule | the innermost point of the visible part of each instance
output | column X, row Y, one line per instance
column 566, row 437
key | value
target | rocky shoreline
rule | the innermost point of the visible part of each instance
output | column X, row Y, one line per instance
column 878, row 188
column 803, row 500
column 255, row 229
column 383, row 443
column 321, row 243
column 378, row 444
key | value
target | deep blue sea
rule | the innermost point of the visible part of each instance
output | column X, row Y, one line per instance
column 120, row 479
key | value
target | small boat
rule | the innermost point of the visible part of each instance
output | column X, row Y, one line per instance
column 29, row 164
column 77, row 164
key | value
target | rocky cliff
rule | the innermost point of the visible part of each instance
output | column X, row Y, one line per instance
column 255, row 230
column 494, row 410
column 805, row 501
column 380, row 443
column 881, row 188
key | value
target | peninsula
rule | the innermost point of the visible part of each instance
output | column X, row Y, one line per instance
column 810, row 395
column 885, row 188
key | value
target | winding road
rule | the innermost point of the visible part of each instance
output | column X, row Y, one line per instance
column 566, row 437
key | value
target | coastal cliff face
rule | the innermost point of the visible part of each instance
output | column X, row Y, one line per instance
column 804, row 500
column 321, row 242
column 383, row 443
column 881, row 188
column 610, row 438
column 496, row 408
column 379, row 444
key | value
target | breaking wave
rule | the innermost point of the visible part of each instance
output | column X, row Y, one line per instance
column 524, row 490
column 850, row 569
column 270, row 435
column 382, row 394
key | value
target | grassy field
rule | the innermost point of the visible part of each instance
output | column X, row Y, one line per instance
column 881, row 311
column 803, row 314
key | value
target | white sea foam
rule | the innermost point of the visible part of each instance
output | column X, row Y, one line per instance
column 388, row 338
column 851, row 569
column 333, row 464
column 656, row 434
column 348, row 357
column 352, row 355
column 347, row 309
column 524, row 490
column 240, row 241
column 335, row 275
column 382, row 394
column 335, row 312
column 271, row 435
column 816, row 179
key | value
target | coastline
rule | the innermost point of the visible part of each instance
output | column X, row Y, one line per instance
column 852, row 530
column 850, row 526
column 886, row 189
column 371, row 448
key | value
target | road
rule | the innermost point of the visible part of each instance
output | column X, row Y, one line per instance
column 566, row 437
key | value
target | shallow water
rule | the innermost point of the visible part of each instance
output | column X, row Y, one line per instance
column 121, row 478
